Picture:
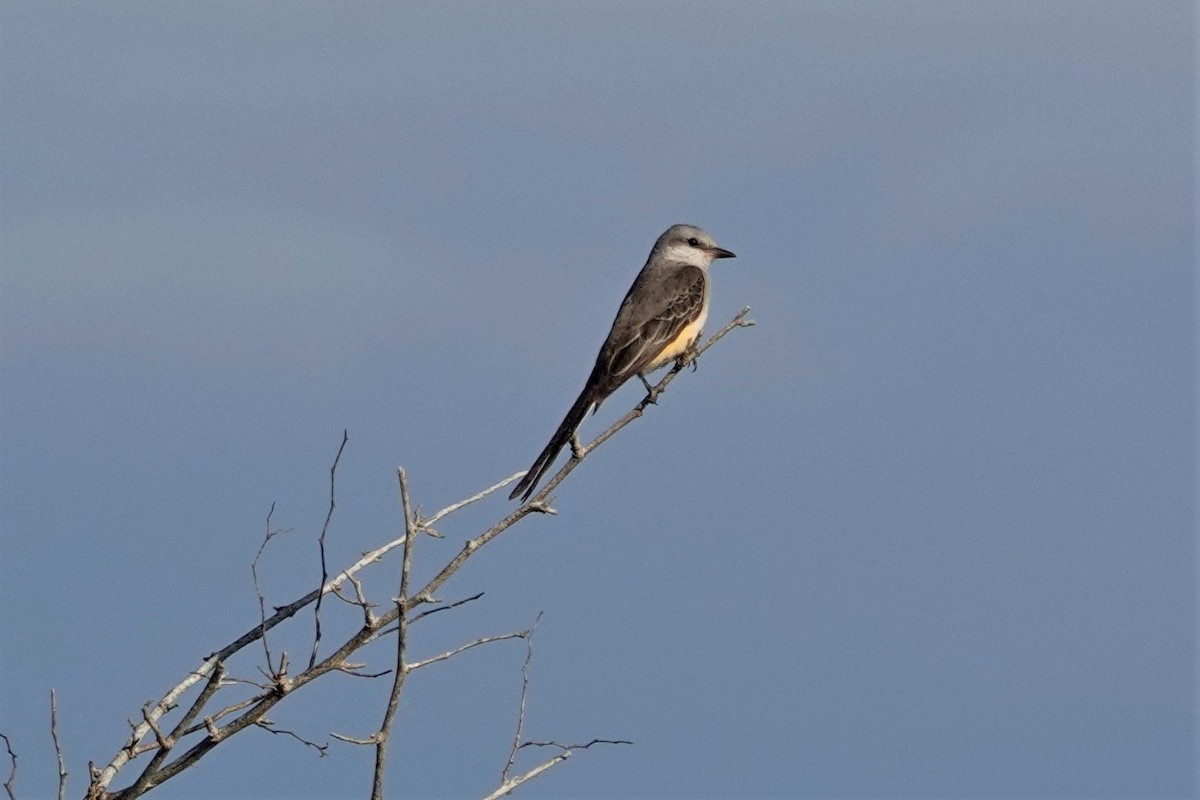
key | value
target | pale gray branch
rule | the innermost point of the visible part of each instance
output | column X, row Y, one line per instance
column 450, row 509
column 401, row 669
column 58, row 753
column 468, row 646
column 516, row 745
column 507, row 786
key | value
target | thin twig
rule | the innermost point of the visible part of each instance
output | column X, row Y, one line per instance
column 512, row 783
column 562, row 746
column 312, row 659
column 232, row 708
column 269, row 726
column 341, row 737
column 401, row 671
column 455, row 604
column 450, row 509
column 160, row 741
column 58, row 753
column 262, row 602
column 469, row 646
column 360, row 601
column 567, row 749
column 12, row 772
column 516, row 745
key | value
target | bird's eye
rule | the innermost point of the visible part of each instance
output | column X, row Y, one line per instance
column 694, row 242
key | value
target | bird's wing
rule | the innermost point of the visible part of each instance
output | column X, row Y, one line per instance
column 655, row 322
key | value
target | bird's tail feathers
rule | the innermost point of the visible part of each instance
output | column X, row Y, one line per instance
column 557, row 442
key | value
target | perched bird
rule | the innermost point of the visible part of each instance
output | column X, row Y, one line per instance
column 659, row 321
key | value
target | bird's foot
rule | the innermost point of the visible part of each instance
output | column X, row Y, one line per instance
column 651, row 391
column 689, row 356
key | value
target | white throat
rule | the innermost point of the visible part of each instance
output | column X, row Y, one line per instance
column 684, row 253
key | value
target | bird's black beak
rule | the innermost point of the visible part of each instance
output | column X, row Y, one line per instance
column 720, row 252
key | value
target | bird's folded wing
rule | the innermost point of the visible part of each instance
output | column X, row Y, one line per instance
column 653, row 329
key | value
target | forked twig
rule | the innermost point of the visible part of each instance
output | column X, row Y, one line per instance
column 262, row 601
column 516, row 745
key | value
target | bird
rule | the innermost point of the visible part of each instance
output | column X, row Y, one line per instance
column 659, row 321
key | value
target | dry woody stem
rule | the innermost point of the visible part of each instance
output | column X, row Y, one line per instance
column 199, row 729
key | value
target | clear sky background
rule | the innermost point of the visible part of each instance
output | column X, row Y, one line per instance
column 927, row 530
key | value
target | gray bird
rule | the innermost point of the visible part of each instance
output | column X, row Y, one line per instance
column 658, row 322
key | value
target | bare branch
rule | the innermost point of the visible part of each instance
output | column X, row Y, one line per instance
column 161, row 741
column 562, row 746
column 262, row 603
column 58, row 753
column 507, row 786
column 450, row 509
column 401, row 671
column 282, row 613
column 269, row 726
column 516, row 745
column 370, row 740
column 469, row 646
column 232, row 708
column 355, row 670
column 360, row 600
column 455, row 604
column 181, row 729
column 312, row 659
column 567, row 750
column 11, row 780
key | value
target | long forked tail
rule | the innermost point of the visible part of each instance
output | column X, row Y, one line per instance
column 557, row 442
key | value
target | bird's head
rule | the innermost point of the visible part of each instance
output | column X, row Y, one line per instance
column 690, row 245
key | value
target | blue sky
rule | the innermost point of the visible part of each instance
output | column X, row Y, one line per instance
column 928, row 530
